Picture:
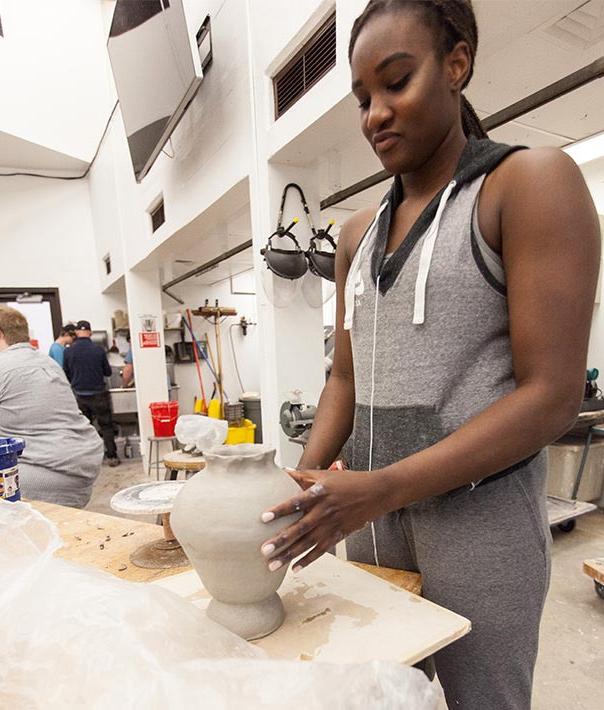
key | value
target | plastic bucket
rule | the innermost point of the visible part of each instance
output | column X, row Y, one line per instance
column 244, row 434
column 164, row 416
column 10, row 450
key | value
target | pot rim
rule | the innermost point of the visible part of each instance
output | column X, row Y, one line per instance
column 227, row 452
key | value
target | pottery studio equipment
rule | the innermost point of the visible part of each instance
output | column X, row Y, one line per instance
column 296, row 418
column 217, row 519
column 216, row 314
column 154, row 498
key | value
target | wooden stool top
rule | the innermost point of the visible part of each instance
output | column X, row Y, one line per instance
column 595, row 569
column 180, row 461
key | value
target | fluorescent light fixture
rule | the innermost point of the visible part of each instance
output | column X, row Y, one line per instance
column 29, row 298
column 586, row 149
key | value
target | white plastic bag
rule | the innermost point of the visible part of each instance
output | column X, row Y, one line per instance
column 204, row 432
column 75, row 637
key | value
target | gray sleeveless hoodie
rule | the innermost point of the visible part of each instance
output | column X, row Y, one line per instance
column 432, row 349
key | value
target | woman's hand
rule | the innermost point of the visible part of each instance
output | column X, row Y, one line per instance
column 334, row 504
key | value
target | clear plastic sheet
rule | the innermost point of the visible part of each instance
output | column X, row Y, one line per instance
column 75, row 637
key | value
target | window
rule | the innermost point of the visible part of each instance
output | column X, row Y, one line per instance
column 157, row 214
column 309, row 64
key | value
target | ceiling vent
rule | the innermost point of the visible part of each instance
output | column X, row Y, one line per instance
column 582, row 28
column 316, row 57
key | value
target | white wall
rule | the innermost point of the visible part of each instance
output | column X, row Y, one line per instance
column 246, row 347
column 210, row 147
column 47, row 241
column 49, row 70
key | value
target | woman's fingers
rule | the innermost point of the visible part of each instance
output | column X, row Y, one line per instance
column 317, row 551
column 300, row 503
column 295, row 550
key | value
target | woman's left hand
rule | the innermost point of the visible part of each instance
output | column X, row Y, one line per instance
column 333, row 503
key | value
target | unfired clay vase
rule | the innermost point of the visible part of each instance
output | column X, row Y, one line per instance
column 216, row 518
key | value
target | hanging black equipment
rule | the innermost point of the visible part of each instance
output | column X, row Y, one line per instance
column 292, row 263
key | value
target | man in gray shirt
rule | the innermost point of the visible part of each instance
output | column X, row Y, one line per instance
column 63, row 452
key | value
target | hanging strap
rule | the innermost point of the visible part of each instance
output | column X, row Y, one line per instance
column 354, row 272
column 425, row 259
column 293, row 186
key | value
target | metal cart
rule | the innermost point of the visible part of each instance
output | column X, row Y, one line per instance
column 563, row 512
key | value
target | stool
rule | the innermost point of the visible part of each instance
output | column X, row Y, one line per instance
column 181, row 461
column 156, row 462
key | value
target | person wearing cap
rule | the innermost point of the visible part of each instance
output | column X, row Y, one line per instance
column 66, row 337
column 63, row 453
column 86, row 366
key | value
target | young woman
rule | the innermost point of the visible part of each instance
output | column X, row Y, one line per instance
column 464, row 309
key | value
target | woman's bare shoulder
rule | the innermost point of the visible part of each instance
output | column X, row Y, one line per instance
column 354, row 229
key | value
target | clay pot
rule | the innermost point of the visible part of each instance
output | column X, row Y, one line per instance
column 216, row 518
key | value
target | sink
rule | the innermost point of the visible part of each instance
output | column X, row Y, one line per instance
column 123, row 399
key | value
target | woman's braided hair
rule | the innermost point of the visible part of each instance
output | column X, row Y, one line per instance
column 453, row 21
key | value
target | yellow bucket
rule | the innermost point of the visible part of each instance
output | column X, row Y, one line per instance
column 244, row 434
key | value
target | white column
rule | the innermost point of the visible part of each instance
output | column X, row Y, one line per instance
column 144, row 299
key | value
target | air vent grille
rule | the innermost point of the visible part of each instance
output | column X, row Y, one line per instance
column 582, row 28
column 311, row 62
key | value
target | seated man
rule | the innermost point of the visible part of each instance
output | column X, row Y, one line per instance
column 63, row 452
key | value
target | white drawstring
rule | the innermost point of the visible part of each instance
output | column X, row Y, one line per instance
column 354, row 274
column 373, row 358
column 425, row 258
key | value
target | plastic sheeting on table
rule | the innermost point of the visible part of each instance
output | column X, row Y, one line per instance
column 74, row 636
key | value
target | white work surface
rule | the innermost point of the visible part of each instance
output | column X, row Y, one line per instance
column 339, row 613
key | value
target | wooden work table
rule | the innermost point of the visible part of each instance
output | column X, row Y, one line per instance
column 106, row 541
column 336, row 612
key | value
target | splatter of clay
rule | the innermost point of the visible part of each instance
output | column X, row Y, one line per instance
column 162, row 492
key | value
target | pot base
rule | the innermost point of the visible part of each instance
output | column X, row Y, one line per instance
column 250, row 621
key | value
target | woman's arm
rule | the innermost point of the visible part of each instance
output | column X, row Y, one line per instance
column 333, row 421
column 551, row 252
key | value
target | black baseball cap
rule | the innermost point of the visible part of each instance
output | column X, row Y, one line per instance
column 83, row 325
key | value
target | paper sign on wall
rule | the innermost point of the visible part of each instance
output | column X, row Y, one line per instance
column 149, row 340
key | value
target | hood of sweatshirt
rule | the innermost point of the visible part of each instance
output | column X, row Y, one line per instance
column 479, row 157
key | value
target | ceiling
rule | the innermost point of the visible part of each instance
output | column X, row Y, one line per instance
column 20, row 155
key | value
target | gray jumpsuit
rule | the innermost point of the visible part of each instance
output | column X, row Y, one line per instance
column 483, row 552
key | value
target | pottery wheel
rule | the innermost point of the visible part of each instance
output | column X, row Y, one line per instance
column 151, row 498
column 154, row 498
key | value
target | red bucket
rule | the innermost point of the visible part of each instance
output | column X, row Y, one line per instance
column 164, row 416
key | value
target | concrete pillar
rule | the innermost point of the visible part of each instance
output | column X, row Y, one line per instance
column 144, row 301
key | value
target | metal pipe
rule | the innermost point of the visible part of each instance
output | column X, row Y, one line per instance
column 549, row 93
column 197, row 271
